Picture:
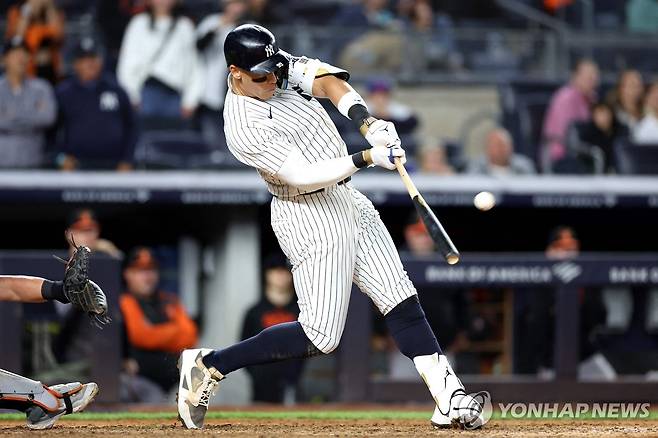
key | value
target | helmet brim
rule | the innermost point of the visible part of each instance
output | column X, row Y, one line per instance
column 271, row 64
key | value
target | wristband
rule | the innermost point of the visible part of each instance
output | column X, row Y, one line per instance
column 53, row 290
column 361, row 117
column 359, row 160
column 349, row 101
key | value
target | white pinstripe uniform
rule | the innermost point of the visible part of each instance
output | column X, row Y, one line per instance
column 332, row 237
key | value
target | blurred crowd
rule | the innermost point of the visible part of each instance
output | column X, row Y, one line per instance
column 581, row 129
column 149, row 81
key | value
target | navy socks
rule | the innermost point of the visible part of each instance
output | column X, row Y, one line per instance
column 279, row 342
column 406, row 323
column 408, row 326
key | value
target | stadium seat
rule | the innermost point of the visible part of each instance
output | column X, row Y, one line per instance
column 634, row 159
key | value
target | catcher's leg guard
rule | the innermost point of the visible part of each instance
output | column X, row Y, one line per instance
column 18, row 392
column 73, row 397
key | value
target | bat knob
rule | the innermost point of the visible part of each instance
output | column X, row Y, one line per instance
column 452, row 258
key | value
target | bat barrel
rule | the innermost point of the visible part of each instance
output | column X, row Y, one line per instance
column 436, row 231
column 434, row 227
column 452, row 258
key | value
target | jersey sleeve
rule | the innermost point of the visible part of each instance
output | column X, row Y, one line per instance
column 260, row 147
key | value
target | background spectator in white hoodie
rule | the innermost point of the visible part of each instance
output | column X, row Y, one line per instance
column 210, row 36
column 158, row 64
column 646, row 131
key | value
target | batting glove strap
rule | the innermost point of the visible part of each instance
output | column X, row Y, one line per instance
column 385, row 157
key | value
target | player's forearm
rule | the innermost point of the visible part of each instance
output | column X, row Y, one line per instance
column 21, row 289
column 309, row 177
column 332, row 88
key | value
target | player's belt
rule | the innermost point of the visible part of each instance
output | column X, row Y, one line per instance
column 340, row 183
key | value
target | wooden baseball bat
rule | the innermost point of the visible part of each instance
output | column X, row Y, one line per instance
column 434, row 227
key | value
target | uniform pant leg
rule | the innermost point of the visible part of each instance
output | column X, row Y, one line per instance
column 317, row 234
column 378, row 270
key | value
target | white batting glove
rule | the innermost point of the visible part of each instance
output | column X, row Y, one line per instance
column 385, row 157
column 382, row 133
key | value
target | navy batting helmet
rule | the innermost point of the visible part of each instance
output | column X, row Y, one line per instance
column 254, row 49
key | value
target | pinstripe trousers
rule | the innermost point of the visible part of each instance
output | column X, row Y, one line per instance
column 333, row 238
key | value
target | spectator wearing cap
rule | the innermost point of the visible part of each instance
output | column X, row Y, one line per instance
column 27, row 109
column 41, row 25
column 271, row 382
column 96, row 126
column 210, row 36
column 74, row 340
column 83, row 226
column 382, row 105
column 157, row 326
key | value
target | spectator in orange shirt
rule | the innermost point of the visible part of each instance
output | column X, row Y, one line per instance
column 156, row 324
column 41, row 25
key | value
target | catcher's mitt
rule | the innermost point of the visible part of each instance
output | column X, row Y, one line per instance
column 80, row 290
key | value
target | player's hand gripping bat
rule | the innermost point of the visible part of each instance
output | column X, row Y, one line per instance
column 439, row 235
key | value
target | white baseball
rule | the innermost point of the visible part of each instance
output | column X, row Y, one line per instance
column 484, row 201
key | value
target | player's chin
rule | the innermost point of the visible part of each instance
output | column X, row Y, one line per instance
column 268, row 94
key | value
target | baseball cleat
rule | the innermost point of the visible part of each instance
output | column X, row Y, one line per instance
column 453, row 406
column 196, row 385
column 73, row 397
column 464, row 413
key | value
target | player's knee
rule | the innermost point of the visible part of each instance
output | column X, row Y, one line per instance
column 331, row 346
column 327, row 343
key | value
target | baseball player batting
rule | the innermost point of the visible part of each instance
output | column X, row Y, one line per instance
column 331, row 232
column 42, row 404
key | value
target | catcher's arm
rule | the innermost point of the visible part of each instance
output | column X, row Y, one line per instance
column 21, row 288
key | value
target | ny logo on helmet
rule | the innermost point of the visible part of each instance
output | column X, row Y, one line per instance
column 269, row 50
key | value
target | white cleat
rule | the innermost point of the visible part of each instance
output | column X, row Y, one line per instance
column 464, row 413
column 196, row 385
column 454, row 408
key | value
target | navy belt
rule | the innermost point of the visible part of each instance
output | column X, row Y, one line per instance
column 340, row 183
